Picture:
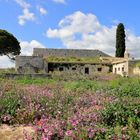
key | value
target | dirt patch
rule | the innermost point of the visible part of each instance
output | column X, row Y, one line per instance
column 15, row 132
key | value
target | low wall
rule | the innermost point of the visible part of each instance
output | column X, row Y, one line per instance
column 13, row 76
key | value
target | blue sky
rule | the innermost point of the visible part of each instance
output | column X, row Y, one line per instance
column 81, row 24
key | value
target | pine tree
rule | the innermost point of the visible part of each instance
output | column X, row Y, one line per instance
column 9, row 45
column 120, row 40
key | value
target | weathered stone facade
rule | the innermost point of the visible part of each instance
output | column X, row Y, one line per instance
column 37, row 63
column 45, row 61
column 81, row 68
column 134, row 67
column 29, row 64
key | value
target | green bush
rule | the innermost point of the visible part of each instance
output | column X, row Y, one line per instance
column 9, row 103
column 120, row 113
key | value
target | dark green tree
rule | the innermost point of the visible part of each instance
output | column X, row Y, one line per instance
column 9, row 45
column 120, row 40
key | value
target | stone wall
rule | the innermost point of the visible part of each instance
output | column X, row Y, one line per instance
column 90, row 69
column 134, row 67
column 67, row 52
column 13, row 76
column 29, row 64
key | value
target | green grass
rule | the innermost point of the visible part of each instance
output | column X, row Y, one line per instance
column 73, row 59
column 81, row 85
column 10, row 70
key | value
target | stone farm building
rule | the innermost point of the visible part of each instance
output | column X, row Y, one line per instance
column 89, row 62
column 68, row 60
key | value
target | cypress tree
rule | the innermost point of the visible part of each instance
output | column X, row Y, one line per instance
column 120, row 40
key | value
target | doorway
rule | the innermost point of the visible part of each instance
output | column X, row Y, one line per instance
column 86, row 70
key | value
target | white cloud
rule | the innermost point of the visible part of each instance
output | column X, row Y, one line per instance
column 27, row 16
column 60, row 1
column 26, row 49
column 23, row 4
column 62, row 33
column 5, row 62
column 42, row 10
column 84, row 31
column 132, row 43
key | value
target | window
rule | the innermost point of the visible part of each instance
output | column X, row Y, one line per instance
column 73, row 68
column 86, row 70
column 118, row 69
column 115, row 70
column 122, row 68
column 99, row 69
column 61, row 69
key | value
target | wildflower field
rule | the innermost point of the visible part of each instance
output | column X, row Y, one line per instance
column 73, row 109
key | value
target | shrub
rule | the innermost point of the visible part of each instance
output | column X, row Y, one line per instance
column 9, row 103
column 120, row 113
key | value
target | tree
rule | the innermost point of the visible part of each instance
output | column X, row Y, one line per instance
column 120, row 40
column 9, row 45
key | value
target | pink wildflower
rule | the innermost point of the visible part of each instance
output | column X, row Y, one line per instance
column 69, row 133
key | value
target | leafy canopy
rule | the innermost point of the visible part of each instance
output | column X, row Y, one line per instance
column 9, row 45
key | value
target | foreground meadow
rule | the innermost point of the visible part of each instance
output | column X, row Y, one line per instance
column 82, row 109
